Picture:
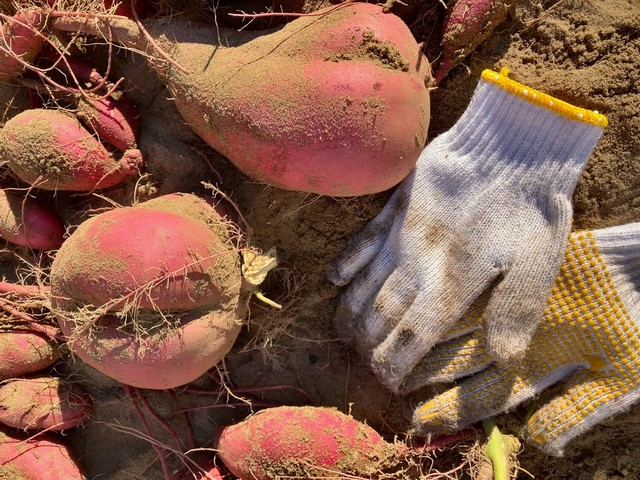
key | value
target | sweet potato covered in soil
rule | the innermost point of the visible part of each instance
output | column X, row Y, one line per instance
column 467, row 24
column 24, row 351
column 304, row 442
column 116, row 121
column 41, row 458
column 51, row 150
column 43, row 402
column 150, row 295
column 334, row 103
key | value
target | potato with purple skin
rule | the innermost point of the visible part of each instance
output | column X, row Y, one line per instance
column 333, row 103
column 51, row 150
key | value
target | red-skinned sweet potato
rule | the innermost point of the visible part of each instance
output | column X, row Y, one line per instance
column 467, row 24
column 115, row 121
column 20, row 41
column 40, row 458
column 334, row 103
column 148, row 296
column 27, row 222
column 24, row 351
column 50, row 149
column 84, row 73
column 303, row 442
column 43, row 403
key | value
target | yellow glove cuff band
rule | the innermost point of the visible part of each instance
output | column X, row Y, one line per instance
column 543, row 100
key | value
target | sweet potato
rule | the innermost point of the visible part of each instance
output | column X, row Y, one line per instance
column 334, row 103
column 84, row 73
column 24, row 351
column 303, row 442
column 40, row 458
column 467, row 24
column 43, row 403
column 50, row 149
column 20, row 41
column 115, row 121
column 147, row 296
column 27, row 222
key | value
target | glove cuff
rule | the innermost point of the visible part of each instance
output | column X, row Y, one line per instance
column 619, row 248
column 523, row 134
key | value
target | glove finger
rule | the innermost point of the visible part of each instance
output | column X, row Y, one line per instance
column 443, row 300
column 588, row 398
column 449, row 361
column 480, row 397
column 361, row 293
column 496, row 389
column 364, row 247
column 392, row 301
column 472, row 321
column 517, row 303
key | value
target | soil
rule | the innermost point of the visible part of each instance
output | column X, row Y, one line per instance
column 586, row 52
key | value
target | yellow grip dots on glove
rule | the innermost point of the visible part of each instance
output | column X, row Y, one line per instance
column 589, row 337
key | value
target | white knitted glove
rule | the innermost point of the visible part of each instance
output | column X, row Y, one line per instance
column 488, row 201
column 589, row 336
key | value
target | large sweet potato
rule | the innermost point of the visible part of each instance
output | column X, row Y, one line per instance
column 147, row 295
column 334, row 103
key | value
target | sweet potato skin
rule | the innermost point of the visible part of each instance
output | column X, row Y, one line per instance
column 43, row 403
column 27, row 222
column 52, row 150
column 335, row 103
column 115, row 121
column 40, row 458
column 19, row 39
column 162, row 360
column 179, row 273
column 157, row 260
column 332, row 123
column 24, row 351
column 467, row 24
column 302, row 442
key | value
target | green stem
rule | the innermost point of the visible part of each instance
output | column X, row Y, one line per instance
column 497, row 450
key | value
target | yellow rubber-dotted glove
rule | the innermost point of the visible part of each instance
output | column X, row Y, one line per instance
column 488, row 201
column 589, row 338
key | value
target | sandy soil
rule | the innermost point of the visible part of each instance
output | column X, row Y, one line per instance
column 584, row 51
